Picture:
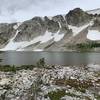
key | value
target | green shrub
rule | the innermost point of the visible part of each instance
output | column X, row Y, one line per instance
column 56, row 95
column 41, row 63
column 7, row 68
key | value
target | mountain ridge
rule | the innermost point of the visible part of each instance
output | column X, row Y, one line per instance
column 94, row 11
column 50, row 33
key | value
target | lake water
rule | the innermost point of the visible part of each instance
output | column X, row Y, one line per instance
column 58, row 58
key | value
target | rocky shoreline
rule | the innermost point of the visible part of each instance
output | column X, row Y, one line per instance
column 52, row 83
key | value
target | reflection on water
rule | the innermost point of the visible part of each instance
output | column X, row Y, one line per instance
column 59, row 58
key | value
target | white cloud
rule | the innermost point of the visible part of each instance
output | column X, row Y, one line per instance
column 20, row 10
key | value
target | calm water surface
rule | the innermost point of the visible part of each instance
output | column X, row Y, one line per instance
column 59, row 58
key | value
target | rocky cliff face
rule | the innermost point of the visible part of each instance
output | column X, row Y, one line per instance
column 78, row 17
column 49, row 33
column 6, row 32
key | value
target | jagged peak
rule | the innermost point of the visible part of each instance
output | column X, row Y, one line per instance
column 77, row 17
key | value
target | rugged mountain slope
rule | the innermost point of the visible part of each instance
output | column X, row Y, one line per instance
column 57, row 33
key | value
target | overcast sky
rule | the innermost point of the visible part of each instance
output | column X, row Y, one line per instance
column 20, row 10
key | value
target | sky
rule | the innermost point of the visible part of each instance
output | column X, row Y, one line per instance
column 21, row 10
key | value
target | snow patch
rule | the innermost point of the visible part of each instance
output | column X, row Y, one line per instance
column 38, row 50
column 15, row 35
column 13, row 45
column 96, row 11
column 46, row 37
column 77, row 30
column 50, row 17
column 42, row 39
column 59, row 25
column 64, row 17
column 58, row 37
column 93, row 35
column 17, row 25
